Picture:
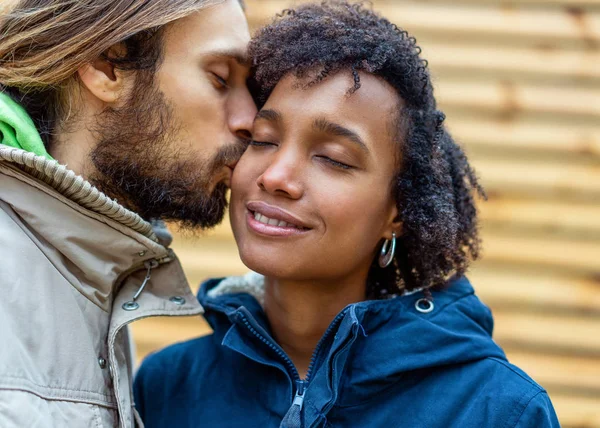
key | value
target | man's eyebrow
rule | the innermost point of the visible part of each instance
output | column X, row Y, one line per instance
column 270, row 115
column 241, row 57
column 324, row 125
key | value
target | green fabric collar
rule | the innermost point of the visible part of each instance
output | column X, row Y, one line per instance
column 17, row 128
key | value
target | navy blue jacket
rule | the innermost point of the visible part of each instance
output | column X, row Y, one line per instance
column 380, row 364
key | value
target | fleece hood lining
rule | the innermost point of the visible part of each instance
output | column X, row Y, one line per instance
column 253, row 284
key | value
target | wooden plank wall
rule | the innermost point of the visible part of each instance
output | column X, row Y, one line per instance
column 520, row 82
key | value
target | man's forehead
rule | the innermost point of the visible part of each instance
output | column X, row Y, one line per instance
column 219, row 30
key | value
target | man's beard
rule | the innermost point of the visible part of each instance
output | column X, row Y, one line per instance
column 136, row 162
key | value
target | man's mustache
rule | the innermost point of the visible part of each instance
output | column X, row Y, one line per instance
column 230, row 154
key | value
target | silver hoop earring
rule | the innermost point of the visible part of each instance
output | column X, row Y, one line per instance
column 387, row 255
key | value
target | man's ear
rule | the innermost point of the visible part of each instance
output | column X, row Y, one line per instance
column 102, row 79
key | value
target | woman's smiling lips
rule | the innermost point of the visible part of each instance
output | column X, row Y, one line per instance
column 268, row 220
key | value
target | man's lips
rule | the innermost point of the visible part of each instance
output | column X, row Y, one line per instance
column 275, row 216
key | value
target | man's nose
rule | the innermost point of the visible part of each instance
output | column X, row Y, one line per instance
column 242, row 112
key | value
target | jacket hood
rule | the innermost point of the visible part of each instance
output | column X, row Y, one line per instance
column 396, row 336
column 17, row 128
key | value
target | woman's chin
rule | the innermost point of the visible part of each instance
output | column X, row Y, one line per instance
column 273, row 267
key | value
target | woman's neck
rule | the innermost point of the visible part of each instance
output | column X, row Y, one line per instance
column 300, row 312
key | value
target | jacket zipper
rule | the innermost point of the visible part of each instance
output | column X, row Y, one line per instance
column 301, row 384
column 315, row 354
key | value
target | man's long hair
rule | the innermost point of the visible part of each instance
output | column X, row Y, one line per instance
column 44, row 42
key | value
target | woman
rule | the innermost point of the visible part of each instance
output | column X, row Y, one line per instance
column 356, row 206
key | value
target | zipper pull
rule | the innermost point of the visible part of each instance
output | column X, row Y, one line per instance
column 299, row 398
column 293, row 417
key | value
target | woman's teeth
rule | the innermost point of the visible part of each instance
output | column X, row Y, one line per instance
column 271, row 221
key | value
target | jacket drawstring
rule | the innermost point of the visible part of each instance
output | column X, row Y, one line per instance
column 132, row 304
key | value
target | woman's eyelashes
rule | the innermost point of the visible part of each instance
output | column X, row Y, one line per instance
column 335, row 163
column 260, row 143
column 330, row 161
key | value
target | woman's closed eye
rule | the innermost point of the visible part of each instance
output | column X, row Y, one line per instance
column 330, row 161
column 334, row 162
column 260, row 143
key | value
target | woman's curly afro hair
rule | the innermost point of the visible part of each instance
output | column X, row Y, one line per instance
column 434, row 185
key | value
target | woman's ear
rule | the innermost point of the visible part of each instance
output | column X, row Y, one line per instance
column 102, row 79
column 394, row 224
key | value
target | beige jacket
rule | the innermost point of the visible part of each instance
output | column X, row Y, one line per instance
column 71, row 261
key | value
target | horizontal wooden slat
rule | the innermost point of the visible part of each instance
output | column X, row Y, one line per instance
column 539, row 179
column 576, row 412
column 165, row 330
column 536, row 289
column 517, row 136
column 212, row 257
column 557, row 252
column 513, row 61
column 564, row 373
column 548, row 332
column 420, row 17
column 504, row 97
column 579, row 220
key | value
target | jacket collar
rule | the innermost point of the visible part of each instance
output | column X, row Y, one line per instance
column 77, row 225
column 75, row 188
column 377, row 341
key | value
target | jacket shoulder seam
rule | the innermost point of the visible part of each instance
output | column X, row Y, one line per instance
column 526, row 406
column 509, row 367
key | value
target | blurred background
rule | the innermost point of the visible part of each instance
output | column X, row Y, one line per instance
column 520, row 83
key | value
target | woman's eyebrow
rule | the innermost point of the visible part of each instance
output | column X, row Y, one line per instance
column 324, row 125
column 270, row 115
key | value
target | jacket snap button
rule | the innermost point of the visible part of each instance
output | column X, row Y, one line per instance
column 130, row 306
column 424, row 306
column 178, row 300
column 102, row 363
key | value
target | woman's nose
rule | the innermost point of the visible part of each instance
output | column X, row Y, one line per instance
column 282, row 176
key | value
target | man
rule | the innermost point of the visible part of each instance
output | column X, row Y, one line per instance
column 112, row 113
